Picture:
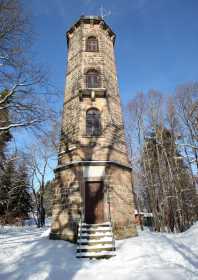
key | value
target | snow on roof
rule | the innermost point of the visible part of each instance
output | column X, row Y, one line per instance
column 145, row 214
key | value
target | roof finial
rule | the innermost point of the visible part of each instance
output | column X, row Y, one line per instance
column 104, row 13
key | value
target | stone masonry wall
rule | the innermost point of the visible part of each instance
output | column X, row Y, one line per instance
column 67, row 204
column 76, row 148
column 79, row 61
column 119, row 181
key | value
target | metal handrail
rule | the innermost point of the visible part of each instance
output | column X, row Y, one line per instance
column 109, row 214
column 81, row 221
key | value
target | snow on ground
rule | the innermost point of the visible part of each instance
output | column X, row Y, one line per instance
column 27, row 254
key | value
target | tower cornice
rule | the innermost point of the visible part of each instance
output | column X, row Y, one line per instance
column 91, row 20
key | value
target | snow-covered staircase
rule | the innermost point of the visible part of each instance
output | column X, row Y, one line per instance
column 95, row 241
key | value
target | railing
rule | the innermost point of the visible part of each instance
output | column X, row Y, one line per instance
column 109, row 214
column 80, row 224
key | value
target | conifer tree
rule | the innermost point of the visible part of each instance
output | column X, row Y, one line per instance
column 15, row 198
column 20, row 200
column 6, row 183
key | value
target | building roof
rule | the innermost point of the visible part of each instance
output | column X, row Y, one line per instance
column 91, row 19
column 144, row 214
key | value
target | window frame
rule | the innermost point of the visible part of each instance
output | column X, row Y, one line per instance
column 92, row 44
column 92, row 79
column 93, row 122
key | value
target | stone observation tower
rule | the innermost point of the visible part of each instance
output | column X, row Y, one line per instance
column 93, row 176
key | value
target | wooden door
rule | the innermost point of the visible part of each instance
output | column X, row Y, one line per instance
column 94, row 208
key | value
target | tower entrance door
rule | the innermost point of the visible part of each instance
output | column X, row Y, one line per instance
column 94, row 205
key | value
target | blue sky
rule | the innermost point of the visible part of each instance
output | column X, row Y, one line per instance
column 156, row 46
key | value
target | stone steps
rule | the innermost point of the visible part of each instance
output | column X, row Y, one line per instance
column 96, row 255
column 85, row 241
column 107, row 224
column 99, row 232
column 95, row 241
column 94, row 229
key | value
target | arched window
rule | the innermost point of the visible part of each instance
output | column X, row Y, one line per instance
column 92, row 79
column 92, row 44
column 93, row 122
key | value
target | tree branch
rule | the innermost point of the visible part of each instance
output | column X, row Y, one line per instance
column 5, row 128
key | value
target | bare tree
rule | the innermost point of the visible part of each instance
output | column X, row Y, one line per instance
column 166, row 181
column 26, row 98
column 187, row 111
column 23, row 85
column 41, row 158
column 134, row 135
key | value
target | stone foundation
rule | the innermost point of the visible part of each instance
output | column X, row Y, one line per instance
column 122, row 232
column 69, row 199
column 68, row 233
